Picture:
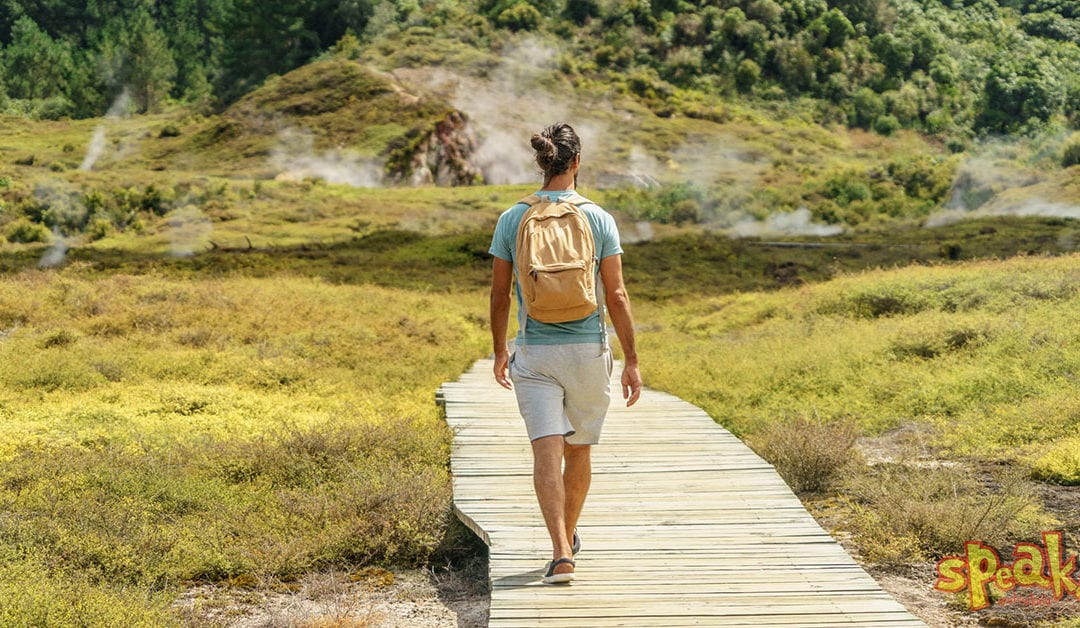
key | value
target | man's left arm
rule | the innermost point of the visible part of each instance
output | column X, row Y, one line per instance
column 502, row 275
column 618, row 306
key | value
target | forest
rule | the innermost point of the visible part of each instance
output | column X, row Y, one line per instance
column 959, row 70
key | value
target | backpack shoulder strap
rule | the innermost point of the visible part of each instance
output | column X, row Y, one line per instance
column 529, row 200
column 574, row 199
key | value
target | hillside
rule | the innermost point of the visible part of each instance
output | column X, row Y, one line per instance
column 746, row 112
column 746, row 173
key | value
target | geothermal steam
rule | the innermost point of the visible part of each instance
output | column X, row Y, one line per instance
column 119, row 109
column 296, row 157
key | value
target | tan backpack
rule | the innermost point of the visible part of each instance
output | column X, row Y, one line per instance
column 556, row 260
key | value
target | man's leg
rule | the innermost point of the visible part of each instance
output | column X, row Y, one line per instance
column 576, row 479
column 551, row 493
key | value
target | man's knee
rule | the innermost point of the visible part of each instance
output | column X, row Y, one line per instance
column 577, row 451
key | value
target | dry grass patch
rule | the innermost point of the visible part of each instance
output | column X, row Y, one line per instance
column 159, row 432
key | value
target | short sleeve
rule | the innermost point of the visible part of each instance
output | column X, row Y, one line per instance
column 610, row 244
column 501, row 242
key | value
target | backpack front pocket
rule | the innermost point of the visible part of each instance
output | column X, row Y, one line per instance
column 559, row 286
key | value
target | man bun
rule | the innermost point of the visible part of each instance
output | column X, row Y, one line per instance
column 545, row 151
column 556, row 147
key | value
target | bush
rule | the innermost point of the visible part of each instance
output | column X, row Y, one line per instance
column 747, row 75
column 1061, row 464
column 520, row 17
column 1070, row 154
column 24, row 231
column 686, row 210
column 886, row 125
column 868, row 106
column 807, row 452
column 169, row 130
column 846, row 187
column 907, row 512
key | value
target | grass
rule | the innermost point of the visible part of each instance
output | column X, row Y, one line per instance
column 229, row 378
column 161, row 431
column 938, row 344
column 981, row 357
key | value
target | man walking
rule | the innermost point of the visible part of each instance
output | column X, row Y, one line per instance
column 564, row 253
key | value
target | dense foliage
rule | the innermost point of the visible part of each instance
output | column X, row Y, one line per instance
column 955, row 67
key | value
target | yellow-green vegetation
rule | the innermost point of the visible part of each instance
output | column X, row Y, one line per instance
column 983, row 357
column 942, row 344
column 160, row 431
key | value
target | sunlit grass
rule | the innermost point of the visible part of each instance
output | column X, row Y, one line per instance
column 983, row 358
column 957, row 347
column 159, row 431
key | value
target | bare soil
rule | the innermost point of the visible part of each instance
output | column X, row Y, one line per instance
column 369, row 598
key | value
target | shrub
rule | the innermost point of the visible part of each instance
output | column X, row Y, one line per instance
column 747, row 75
column 868, row 106
column 848, row 186
column 1061, row 464
column 520, row 17
column 807, row 452
column 686, row 210
column 1070, row 154
column 886, row 125
column 155, row 201
column 99, row 228
column 169, row 130
column 22, row 230
column 909, row 512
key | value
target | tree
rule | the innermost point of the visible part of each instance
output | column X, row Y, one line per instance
column 794, row 65
column 747, row 75
column 197, row 40
column 150, row 68
column 839, row 28
column 868, row 106
column 34, row 64
column 264, row 38
column 896, row 53
column 1018, row 91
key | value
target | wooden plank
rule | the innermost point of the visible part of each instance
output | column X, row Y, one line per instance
column 684, row 525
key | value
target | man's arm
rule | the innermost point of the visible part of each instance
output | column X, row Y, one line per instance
column 618, row 304
column 501, row 276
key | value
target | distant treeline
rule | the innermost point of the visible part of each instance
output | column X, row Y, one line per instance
column 953, row 68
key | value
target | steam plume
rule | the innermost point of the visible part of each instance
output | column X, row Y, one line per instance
column 297, row 158
column 797, row 223
column 98, row 143
column 54, row 256
column 189, row 230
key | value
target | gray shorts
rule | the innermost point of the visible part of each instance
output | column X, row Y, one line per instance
column 563, row 389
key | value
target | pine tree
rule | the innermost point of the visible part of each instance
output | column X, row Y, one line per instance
column 264, row 38
column 150, row 68
column 34, row 64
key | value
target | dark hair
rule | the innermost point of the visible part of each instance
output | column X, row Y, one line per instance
column 556, row 146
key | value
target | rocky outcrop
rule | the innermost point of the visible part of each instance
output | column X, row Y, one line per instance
column 438, row 156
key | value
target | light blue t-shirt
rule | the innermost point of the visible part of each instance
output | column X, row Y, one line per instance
column 504, row 246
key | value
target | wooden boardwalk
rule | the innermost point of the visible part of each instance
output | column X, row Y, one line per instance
column 684, row 525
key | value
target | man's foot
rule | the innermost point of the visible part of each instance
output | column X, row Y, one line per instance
column 575, row 545
column 559, row 571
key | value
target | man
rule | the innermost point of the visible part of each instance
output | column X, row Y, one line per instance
column 560, row 371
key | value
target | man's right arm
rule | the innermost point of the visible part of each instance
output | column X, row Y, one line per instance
column 501, row 277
